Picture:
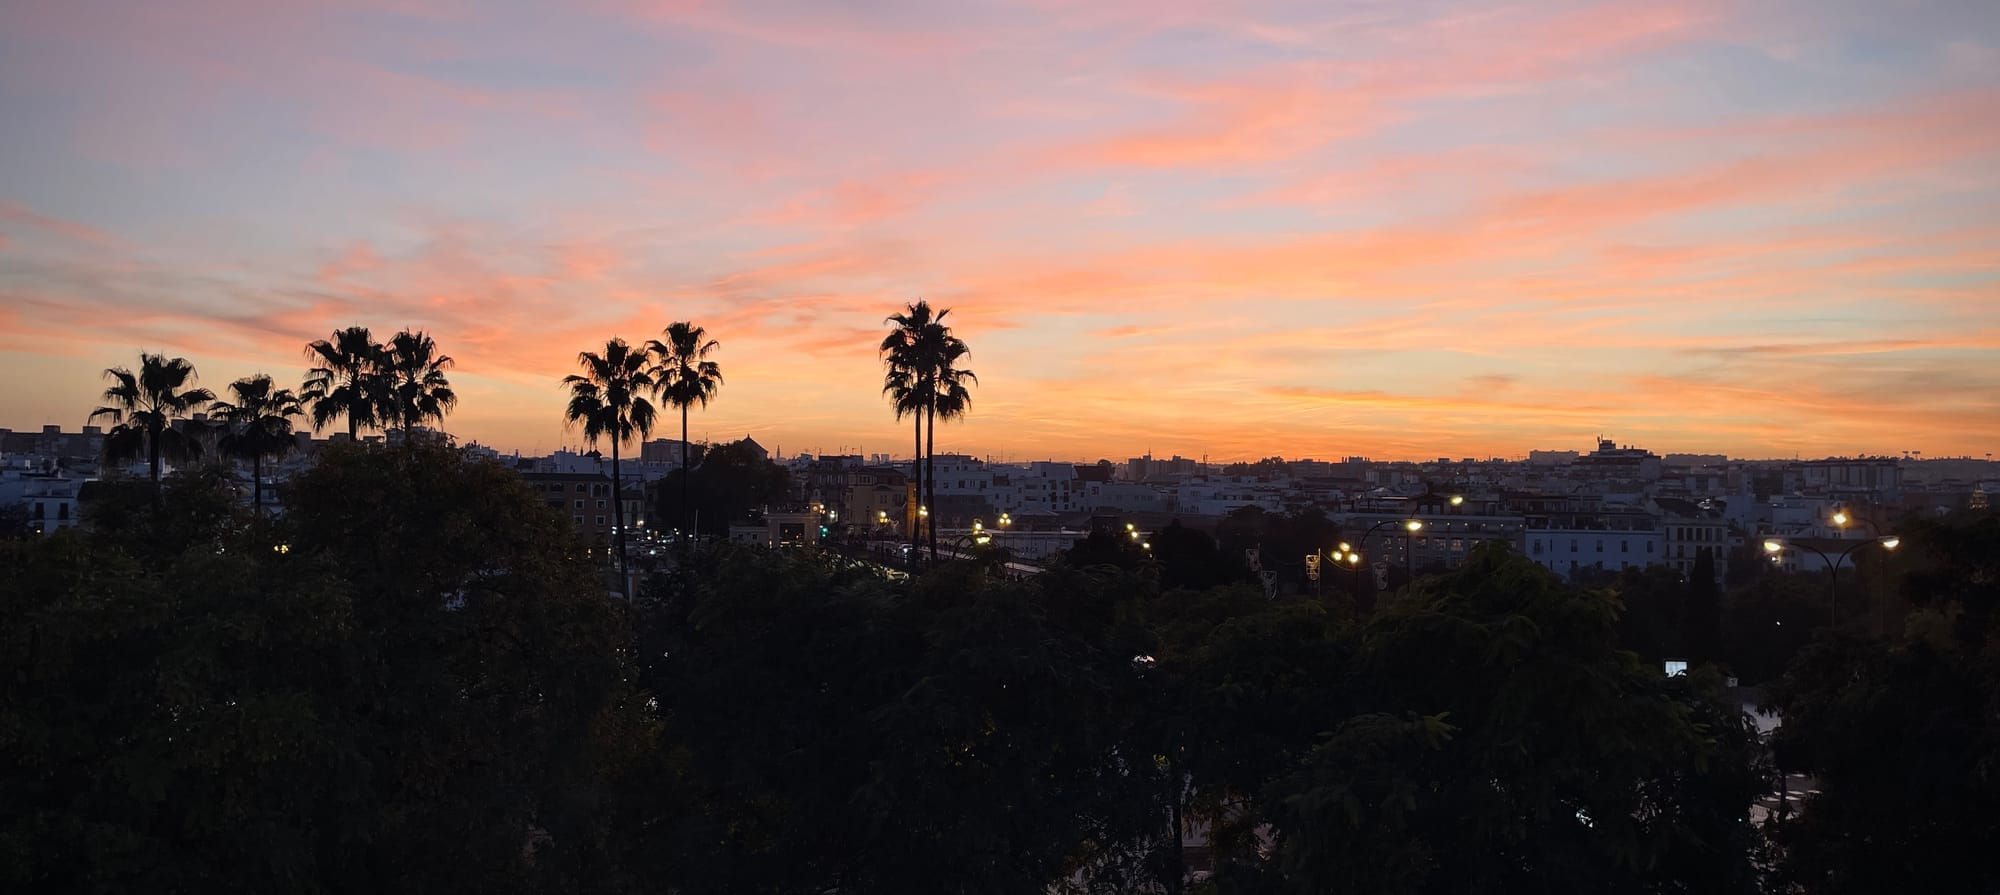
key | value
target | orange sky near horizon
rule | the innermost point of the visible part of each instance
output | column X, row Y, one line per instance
column 1311, row 229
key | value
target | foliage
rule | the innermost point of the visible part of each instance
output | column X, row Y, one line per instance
column 1901, row 734
column 923, row 379
column 147, row 410
column 730, row 483
column 1499, row 741
column 609, row 400
column 832, row 730
column 1282, row 540
column 683, row 376
column 345, row 380
column 415, row 389
column 257, row 425
column 409, row 684
column 1190, row 558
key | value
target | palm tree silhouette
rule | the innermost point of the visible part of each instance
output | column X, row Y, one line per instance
column 950, row 399
column 257, row 425
column 416, row 387
column 907, row 383
column 683, row 376
column 609, row 399
column 144, row 408
column 346, row 380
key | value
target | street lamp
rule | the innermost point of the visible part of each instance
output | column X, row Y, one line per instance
column 1410, row 529
column 1776, row 546
column 1006, row 520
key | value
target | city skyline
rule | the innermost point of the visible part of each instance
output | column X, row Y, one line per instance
column 1387, row 230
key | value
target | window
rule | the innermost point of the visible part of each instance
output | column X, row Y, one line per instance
column 1649, row 548
column 1572, row 565
column 1600, row 549
column 62, row 511
column 579, row 503
column 600, row 504
column 1538, row 547
column 1624, row 546
column 1572, row 549
column 579, row 521
column 600, row 522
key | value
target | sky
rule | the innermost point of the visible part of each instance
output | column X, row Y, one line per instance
column 1318, row 229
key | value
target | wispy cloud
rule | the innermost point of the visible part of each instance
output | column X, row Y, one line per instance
column 1231, row 229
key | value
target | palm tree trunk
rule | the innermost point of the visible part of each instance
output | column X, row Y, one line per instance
column 153, row 457
column 930, row 475
column 618, row 516
column 353, row 429
column 687, row 509
column 917, row 492
column 257, row 484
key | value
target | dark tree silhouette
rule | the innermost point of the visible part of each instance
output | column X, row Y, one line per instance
column 609, row 400
column 923, row 379
column 684, row 376
column 346, row 380
column 416, row 387
column 908, row 387
column 258, row 424
column 144, row 408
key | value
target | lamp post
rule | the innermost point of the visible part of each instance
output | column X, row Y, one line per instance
column 1776, row 546
column 1410, row 529
column 1344, row 559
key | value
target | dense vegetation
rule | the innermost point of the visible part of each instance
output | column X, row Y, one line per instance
column 412, row 681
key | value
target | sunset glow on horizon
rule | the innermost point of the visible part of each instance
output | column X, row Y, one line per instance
column 1313, row 229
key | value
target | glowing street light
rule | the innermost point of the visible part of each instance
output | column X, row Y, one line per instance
column 1006, row 520
column 1776, row 547
column 1458, row 500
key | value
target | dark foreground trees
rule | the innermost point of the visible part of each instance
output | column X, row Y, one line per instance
column 409, row 685
column 1903, row 734
column 413, row 682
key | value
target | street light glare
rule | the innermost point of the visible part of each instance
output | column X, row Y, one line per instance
column 1840, row 518
column 1414, row 525
column 1457, row 499
column 1344, row 548
column 1891, row 542
column 1773, row 546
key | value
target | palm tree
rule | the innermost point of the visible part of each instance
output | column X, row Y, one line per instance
column 415, row 387
column 609, row 399
column 907, row 383
column 683, row 376
column 345, row 380
column 257, row 425
column 950, row 399
column 144, row 408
